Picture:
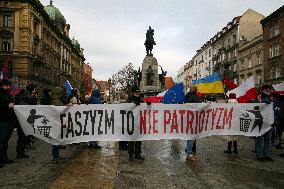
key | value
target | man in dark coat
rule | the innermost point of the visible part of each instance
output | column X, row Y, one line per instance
column 95, row 99
column 21, row 99
column 134, row 147
column 6, row 120
column 32, row 100
column 191, row 97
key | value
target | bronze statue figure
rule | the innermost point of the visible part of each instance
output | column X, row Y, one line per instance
column 150, row 42
column 137, row 77
column 162, row 77
column 150, row 74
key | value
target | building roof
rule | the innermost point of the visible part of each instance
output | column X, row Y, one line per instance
column 273, row 15
column 101, row 83
column 169, row 82
column 55, row 15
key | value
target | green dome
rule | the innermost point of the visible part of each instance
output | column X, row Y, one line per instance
column 56, row 16
column 75, row 43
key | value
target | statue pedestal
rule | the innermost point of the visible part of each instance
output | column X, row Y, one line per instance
column 156, row 86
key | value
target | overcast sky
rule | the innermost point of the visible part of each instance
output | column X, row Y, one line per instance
column 112, row 32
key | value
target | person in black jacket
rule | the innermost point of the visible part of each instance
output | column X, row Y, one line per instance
column 191, row 97
column 21, row 99
column 32, row 100
column 6, row 120
column 134, row 147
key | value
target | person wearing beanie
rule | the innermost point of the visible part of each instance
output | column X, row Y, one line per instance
column 7, row 118
column 134, row 147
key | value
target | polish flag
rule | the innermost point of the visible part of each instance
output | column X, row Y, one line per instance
column 279, row 88
column 155, row 99
column 245, row 92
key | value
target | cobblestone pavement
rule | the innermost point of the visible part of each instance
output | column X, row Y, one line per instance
column 164, row 167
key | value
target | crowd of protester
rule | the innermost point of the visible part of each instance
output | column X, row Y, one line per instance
column 29, row 96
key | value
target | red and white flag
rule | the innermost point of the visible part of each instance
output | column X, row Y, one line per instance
column 279, row 88
column 245, row 92
column 155, row 99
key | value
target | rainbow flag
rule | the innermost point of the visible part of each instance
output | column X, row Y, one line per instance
column 209, row 84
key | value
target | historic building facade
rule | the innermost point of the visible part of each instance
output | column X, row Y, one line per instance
column 273, row 46
column 220, row 53
column 250, row 60
column 225, row 44
column 35, row 45
column 203, row 61
column 88, row 85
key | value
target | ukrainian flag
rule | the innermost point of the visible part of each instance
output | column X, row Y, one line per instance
column 209, row 84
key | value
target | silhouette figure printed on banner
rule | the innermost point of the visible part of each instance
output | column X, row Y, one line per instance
column 31, row 119
column 258, row 118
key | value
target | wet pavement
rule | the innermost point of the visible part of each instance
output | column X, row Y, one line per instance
column 164, row 167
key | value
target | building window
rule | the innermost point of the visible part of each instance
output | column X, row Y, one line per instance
column 275, row 71
column 274, row 50
column 242, row 65
column 249, row 63
column 7, row 21
column 259, row 79
column 36, row 26
column 235, row 53
column 273, row 31
column 229, row 41
column 209, row 53
column 6, row 44
column 258, row 59
column 234, row 39
column 235, row 68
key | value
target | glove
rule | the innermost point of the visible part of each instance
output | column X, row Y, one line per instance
column 137, row 103
column 148, row 103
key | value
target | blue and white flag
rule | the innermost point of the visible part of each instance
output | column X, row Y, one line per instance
column 69, row 88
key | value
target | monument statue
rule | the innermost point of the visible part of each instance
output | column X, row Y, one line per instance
column 150, row 42
column 162, row 77
column 150, row 74
column 137, row 77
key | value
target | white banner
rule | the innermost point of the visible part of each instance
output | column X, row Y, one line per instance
column 128, row 122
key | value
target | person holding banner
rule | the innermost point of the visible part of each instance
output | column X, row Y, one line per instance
column 21, row 99
column 95, row 99
column 263, row 143
column 134, row 147
column 32, row 100
column 6, row 120
column 232, row 140
column 192, row 97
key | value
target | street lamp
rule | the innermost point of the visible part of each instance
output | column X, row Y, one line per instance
column 109, row 82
